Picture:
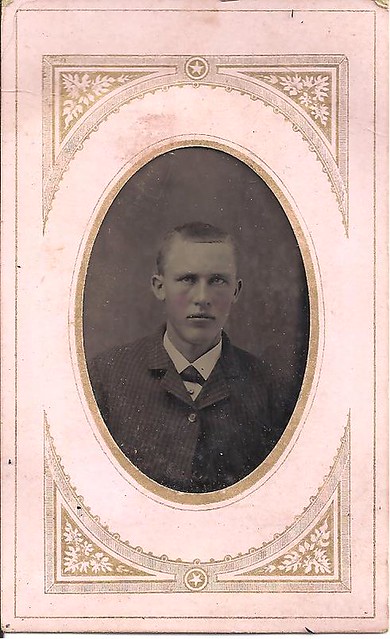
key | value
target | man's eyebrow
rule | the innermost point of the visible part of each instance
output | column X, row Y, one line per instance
column 196, row 274
column 184, row 273
column 220, row 274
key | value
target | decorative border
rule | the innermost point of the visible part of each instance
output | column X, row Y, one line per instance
column 313, row 97
column 318, row 541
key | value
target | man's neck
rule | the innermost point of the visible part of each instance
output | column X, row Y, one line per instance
column 190, row 351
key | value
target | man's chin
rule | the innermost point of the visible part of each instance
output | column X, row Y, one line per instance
column 201, row 336
column 192, row 336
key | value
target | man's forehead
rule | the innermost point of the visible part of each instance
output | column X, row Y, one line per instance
column 182, row 251
column 179, row 244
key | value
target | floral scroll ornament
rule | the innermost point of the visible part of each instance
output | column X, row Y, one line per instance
column 82, row 557
column 311, row 92
column 310, row 557
column 82, row 90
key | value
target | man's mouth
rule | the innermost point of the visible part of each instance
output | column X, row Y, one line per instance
column 200, row 316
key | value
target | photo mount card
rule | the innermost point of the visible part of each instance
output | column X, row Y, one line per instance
column 204, row 185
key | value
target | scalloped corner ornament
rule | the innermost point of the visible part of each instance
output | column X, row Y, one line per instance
column 80, row 92
column 82, row 557
column 311, row 92
column 311, row 554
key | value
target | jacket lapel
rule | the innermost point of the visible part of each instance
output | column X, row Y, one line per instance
column 214, row 390
column 160, row 363
column 217, row 386
column 173, row 383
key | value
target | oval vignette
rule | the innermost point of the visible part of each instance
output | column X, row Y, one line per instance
column 271, row 319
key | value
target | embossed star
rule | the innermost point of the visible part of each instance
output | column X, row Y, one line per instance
column 196, row 579
column 197, row 68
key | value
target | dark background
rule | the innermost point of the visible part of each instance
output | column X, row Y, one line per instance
column 271, row 318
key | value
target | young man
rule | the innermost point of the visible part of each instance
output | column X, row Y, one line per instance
column 189, row 409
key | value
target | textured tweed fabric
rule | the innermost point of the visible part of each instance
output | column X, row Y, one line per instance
column 191, row 446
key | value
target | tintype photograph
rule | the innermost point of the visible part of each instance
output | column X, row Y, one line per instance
column 196, row 320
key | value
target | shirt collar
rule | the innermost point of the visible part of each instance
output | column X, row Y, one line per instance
column 204, row 364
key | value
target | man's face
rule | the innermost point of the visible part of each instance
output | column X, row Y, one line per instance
column 198, row 286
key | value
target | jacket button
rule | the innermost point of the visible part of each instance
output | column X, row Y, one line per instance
column 192, row 417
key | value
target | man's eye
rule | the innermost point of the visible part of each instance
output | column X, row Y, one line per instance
column 218, row 280
column 187, row 279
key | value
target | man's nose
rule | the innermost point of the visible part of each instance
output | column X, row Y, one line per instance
column 201, row 293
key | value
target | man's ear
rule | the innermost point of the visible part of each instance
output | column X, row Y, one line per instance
column 158, row 289
column 237, row 291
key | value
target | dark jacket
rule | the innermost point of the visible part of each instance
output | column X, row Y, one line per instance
column 191, row 446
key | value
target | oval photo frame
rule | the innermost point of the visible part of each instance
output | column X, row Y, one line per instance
column 212, row 183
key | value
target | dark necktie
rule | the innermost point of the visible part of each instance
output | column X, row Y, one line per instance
column 190, row 374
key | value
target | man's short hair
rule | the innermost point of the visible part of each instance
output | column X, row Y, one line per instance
column 194, row 232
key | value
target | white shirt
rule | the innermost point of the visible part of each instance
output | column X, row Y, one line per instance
column 204, row 364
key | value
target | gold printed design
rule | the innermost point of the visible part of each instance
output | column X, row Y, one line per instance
column 196, row 68
column 80, row 91
column 320, row 119
column 313, row 555
column 195, row 579
column 81, row 557
column 230, row 574
column 312, row 92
